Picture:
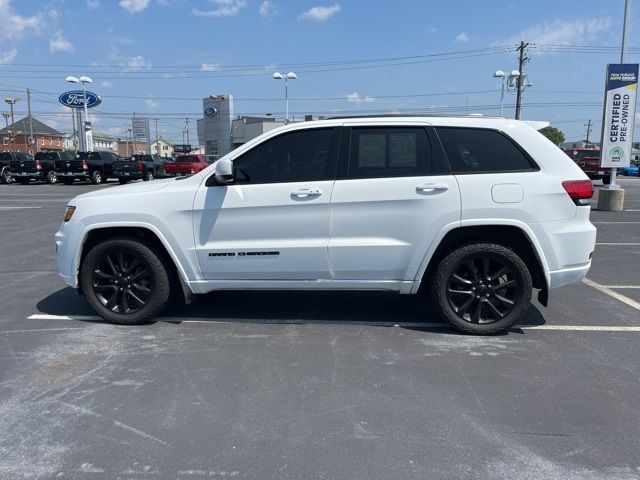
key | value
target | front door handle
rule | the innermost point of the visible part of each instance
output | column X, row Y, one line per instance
column 429, row 187
column 306, row 192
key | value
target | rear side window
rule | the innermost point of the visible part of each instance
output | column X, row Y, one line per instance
column 477, row 150
column 389, row 152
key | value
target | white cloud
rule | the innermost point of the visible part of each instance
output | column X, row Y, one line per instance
column 151, row 102
column 268, row 9
column 137, row 63
column 93, row 4
column 461, row 38
column 560, row 32
column 209, row 67
column 106, row 84
column 320, row 14
column 58, row 43
column 8, row 57
column 221, row 8
column 14, row 26
column 355, row 97
column 134, row 6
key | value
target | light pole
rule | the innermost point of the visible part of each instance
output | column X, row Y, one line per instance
column 504, row 77
column 286, row 78
column 6, row 121
column 12, row 102
column 87, row 133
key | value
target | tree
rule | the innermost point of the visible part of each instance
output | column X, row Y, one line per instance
column 553, row 134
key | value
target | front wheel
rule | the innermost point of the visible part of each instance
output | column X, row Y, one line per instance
column 125, row 281
column 96, row 177
column 482, row 288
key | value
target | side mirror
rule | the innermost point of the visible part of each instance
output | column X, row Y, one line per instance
column 223, row 173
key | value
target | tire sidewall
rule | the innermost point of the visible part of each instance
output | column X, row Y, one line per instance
column 96, row 177
column 52, row 178
column 452, row 261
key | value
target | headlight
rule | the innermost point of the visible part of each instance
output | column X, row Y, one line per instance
column 69, row 214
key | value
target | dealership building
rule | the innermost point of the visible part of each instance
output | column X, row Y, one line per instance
column 219, row 132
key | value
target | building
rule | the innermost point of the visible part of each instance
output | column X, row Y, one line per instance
column 15, row 137
column 162, row 147
column 126, row 148
column 105, row 143
column 214, row 128
column 244, row 129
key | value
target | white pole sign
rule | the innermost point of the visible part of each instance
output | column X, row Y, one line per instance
column 88, row 137
column 619, row 114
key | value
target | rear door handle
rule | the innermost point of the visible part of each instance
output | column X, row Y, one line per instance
column 306, row 192
column 429, row 187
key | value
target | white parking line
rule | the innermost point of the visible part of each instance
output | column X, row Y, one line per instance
column 17, row 208
column 575, row 328
column 623, row 287
column 612, row 294
column 614, row 223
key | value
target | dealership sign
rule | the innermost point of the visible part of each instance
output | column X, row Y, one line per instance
column 619, row 114
column 75, row 99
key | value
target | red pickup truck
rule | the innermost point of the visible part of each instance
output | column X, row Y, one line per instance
column 588, row 159
column 188, row 164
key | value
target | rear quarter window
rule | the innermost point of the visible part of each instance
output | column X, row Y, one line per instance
column 478, row 150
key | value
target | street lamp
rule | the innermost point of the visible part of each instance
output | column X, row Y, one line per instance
column 505, row 77
column 84, row 80
column 12, row 102
column 286, row 78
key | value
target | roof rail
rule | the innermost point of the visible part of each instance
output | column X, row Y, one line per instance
column 392, row 115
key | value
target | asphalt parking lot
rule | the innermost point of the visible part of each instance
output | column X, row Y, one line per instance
column 314, row 385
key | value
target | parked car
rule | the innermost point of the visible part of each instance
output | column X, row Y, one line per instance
column 72, row 167
column 188, row 164
column 476, row 211
column 24, row 168
column 5, row 167
column 588, row 159
column 136, row 167
column 42, row 167
column 630, row 171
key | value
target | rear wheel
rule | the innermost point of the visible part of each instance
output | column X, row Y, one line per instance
column 96, row 177
column 51, row 177
column 148, row 176
column 606, row 180
column 125, row 280
column 6, row 176
column 482, row 288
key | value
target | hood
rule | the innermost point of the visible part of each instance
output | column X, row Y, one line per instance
column 131, row 189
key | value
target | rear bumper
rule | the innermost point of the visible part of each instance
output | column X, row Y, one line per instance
column 72, row 174
column 36, row 175
column 131, row 175
column 566, row 276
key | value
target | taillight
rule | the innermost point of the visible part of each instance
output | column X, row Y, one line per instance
column 38, row 166
column 140, row 166
column 580, row 191
column 84, row 165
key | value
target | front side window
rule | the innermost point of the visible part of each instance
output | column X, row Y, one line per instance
column 389, row 152
column 480, row 150
column 300, row 156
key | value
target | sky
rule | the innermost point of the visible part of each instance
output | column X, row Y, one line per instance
column 159, row 58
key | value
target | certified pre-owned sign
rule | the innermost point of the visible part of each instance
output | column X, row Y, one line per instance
column 619, row 114
column 75, row 99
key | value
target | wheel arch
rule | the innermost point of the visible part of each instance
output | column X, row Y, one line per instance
column 516, row 236
column 95, row 235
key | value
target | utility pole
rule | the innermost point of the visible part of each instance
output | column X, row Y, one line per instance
column 186, row 127
column 521, row 61
column 73, row 126
column 30, row 122
column 588, row 125
column 6, row 116
column 157, row 140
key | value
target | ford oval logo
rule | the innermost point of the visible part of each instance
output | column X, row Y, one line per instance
column 211, row 111
column 75, row 99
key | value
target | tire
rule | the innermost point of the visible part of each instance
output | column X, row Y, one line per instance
column 117, row 262
column 148, row 176
column 606, row 180
column 67, row 181
column 5, row 177
column 467, row 293
column 96, row 177
column 123, row 181
column 23, row 181
column 51, row 178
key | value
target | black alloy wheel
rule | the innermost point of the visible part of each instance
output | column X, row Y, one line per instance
column 482, row 289
column 126, row 280
column 122, row 282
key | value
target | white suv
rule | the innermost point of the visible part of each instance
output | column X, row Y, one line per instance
column 477, row 211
